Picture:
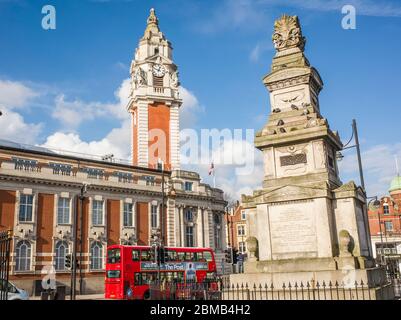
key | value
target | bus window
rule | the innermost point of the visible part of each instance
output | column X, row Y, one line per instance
column 113, row 274
column 199, row 257
column 208, row 256
column 172, row 255
column 135, row 255
column 189, row 256
column 138, row 279
column 113, row 255
column 147, row 255
column 148, row 277
column 181, row 256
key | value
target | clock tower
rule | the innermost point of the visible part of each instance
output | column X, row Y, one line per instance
column 154, row 100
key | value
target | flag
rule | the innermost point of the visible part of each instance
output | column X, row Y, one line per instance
column 211, row 169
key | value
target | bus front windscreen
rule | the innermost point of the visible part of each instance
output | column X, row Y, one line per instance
column 114, row 255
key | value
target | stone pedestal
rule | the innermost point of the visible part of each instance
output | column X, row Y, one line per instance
column 305, row 225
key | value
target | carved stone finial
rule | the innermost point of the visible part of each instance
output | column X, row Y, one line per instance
column 152, row 19
column 153, row 25
column 288, row 34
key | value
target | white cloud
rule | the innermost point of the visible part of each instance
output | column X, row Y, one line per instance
column 378, row 164
column 244, row 14
column 73, row 113
column 260, row 48
column 116, row 142
column 13, row 127
column 190, row 108
column 363, row 7
column 14, row 94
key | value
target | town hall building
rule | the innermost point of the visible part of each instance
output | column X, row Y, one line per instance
column 42, row 190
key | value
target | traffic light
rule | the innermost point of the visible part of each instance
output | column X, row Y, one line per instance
column 228, row 255
column 155, row 254
column 161, row 255
column 235, row 256
column 68, row 260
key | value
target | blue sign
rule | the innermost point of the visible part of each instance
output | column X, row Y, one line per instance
column 174, row 266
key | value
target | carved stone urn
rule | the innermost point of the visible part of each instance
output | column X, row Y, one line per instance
column 345, row 241
column 252, row 245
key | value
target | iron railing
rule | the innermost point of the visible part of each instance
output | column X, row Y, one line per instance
column 5, row 241
column 309, row 290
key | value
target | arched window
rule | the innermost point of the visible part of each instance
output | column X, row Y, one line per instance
column 23, row 256
column 96, row 256
column 61, row 252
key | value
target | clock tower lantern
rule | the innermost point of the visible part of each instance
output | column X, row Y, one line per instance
column 154, row 100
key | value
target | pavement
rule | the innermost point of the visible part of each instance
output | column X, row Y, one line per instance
column 99, row 296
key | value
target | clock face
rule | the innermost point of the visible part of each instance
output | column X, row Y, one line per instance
column 158, row 70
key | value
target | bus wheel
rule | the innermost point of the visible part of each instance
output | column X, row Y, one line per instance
column 146, row 295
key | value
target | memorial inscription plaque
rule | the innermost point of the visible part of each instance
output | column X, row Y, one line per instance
column 292, row 231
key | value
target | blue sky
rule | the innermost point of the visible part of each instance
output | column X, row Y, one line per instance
column 65, row 86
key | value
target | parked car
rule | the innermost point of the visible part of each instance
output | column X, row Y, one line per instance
column 14, row 293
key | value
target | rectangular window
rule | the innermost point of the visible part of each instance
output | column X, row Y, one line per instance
column 243, row 215
column 386, row 209
column 388, row 225
column 242, row 247
column 63, row 211
column 189, row 215
column 128, row 215
column 153, row 216
column 241, row 230
column 150, row 180
column 188, row 186
column 25, row 208
column 97, row 212
column 189, row 236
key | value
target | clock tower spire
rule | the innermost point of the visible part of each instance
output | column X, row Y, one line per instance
column 154, row 100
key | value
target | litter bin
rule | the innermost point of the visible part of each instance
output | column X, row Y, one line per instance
column 60, row 292
column 44, row 295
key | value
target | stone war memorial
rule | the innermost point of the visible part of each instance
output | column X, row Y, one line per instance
column 304, row 225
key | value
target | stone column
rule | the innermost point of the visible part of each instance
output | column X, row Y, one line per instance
column 206, row 226
column 182, row 226
column 198, row 227
column 211, row 229
column 174, row 137
column 171, row 235
column 143, row 137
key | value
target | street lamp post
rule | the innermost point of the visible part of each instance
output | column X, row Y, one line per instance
column 339, row 156
column 376, row 205
column 81, row 198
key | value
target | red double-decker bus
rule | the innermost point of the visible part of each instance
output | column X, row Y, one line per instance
column 133, row 267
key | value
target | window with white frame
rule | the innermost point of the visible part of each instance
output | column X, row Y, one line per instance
column 96, row 261
column 188, row 186
column 242, row 247
column 189, row 236
column 189, row 216
column 153, row 216
column 61, row 252
column 241, row 230
column 63, row 211
column 243, row 215
column 388, row 225
column 97, row 212
column 25, row 208
column 386, row 209
column 23, row 256
column 128, row 215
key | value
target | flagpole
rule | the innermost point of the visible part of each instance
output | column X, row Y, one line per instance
column 214, row 179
